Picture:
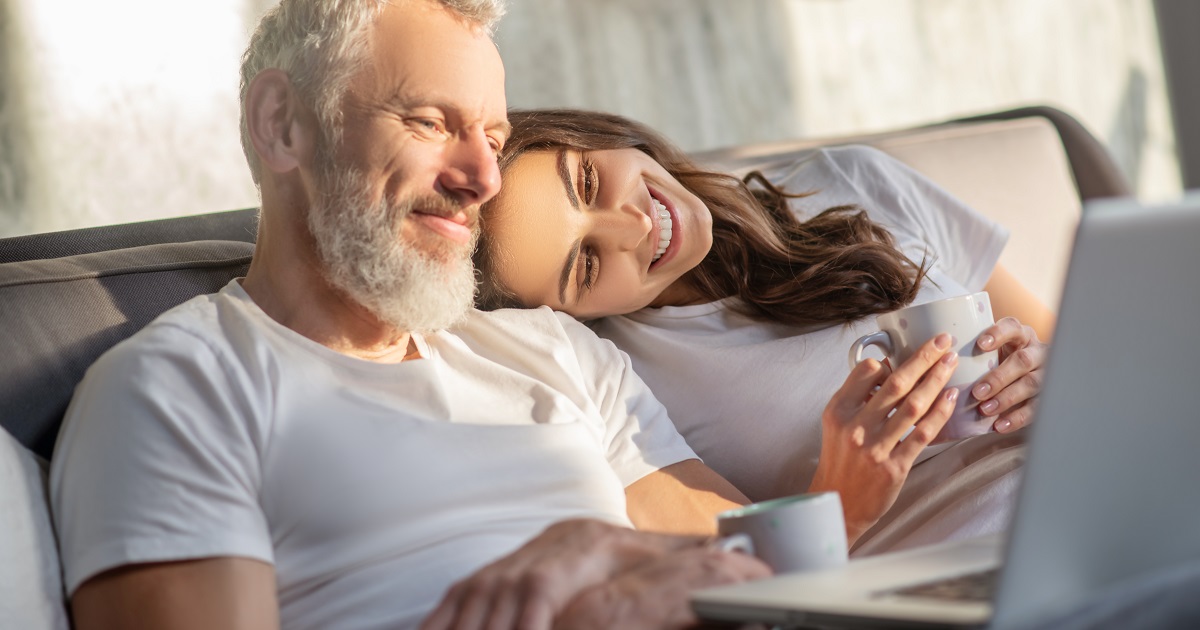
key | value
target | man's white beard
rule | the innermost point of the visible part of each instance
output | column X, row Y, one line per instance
column 364, row 257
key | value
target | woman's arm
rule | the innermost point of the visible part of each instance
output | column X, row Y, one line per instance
column 865, row 455
column 683, row 498
column 1010, row 298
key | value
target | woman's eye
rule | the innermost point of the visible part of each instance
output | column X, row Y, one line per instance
column 589, row 182
column 590, row 265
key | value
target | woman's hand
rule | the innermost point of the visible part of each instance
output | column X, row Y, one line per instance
column 865, row 454
column 1008, row 392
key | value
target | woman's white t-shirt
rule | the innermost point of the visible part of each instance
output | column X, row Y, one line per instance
column 748, row 396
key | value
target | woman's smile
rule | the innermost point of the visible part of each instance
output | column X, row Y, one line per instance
column 668, row 229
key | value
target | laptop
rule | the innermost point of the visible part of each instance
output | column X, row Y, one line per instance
column 1111, row 488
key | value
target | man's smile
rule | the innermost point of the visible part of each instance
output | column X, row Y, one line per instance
column 454, row 226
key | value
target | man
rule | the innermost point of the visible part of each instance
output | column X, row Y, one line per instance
column 335, row 439
column 304, row 448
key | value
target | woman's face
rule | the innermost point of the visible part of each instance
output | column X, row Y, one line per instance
column 594, row 233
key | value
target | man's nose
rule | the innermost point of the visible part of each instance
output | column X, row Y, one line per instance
column 625, row 226
column 470, row 173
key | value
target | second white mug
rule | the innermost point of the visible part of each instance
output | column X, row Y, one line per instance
column 806, row 532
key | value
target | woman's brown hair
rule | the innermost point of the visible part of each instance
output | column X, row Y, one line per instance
column 835, row 267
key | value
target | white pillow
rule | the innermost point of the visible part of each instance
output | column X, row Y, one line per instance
column 31, row 590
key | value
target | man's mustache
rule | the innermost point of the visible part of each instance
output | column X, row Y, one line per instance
column 442, row 206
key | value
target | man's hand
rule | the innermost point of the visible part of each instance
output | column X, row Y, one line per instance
column 1008, row 392
column 654, row 596
column 531, row 587
column 865, row 454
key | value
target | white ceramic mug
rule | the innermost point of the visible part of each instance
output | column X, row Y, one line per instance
column 902, row 332
column 806, row 532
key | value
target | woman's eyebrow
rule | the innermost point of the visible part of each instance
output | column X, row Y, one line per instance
column 565, row 276
column 564, row 174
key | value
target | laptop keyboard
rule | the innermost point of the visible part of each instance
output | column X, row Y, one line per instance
column 970, row 587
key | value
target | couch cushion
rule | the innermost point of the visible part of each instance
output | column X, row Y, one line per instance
column 31, row 589
column 59, row 315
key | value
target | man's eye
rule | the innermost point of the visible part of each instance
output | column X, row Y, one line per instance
column 428, row 127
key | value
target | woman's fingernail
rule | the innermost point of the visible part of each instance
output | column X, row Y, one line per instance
column 942, row 341
column 986, row 341
column 1003, row 425
column 988, row 407
column 950, row 358
column 952, row 394
column 981, row 390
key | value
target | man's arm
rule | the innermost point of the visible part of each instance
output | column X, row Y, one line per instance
column 683, row 498
column 230, row 593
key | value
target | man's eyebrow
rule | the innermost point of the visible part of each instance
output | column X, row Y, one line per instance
column 565, row 276
column 565, row 175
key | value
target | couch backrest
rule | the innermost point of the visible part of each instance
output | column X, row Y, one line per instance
column 59, row 315
column 233, row 225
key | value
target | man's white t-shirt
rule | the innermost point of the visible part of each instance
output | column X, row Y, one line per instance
column 371, row 488
column 748, row 395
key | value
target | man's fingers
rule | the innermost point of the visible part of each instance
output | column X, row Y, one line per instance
column 536, row 614
column 504, row 614
column 476, row 606
column 443, row 616
column 655, row 595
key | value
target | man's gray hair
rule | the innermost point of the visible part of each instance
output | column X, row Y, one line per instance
column 320, row 44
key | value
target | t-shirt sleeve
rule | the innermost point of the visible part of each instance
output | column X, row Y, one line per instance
column 639, row 437
column 157, row 460
column 923, row 217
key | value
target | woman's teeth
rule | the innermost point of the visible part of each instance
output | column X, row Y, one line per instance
column 664, row 228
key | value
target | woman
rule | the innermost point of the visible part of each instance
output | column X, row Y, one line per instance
column 737, row 302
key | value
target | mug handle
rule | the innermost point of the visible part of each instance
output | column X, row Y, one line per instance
column 880, row 338
column 735, row 542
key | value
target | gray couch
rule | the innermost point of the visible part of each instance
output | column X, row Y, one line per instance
column 67, row 297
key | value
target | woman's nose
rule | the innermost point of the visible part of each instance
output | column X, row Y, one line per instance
column 624, row 227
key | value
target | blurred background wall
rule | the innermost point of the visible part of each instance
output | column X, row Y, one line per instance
column 127, row 109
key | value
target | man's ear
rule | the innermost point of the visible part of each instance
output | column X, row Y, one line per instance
column 281, row 128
